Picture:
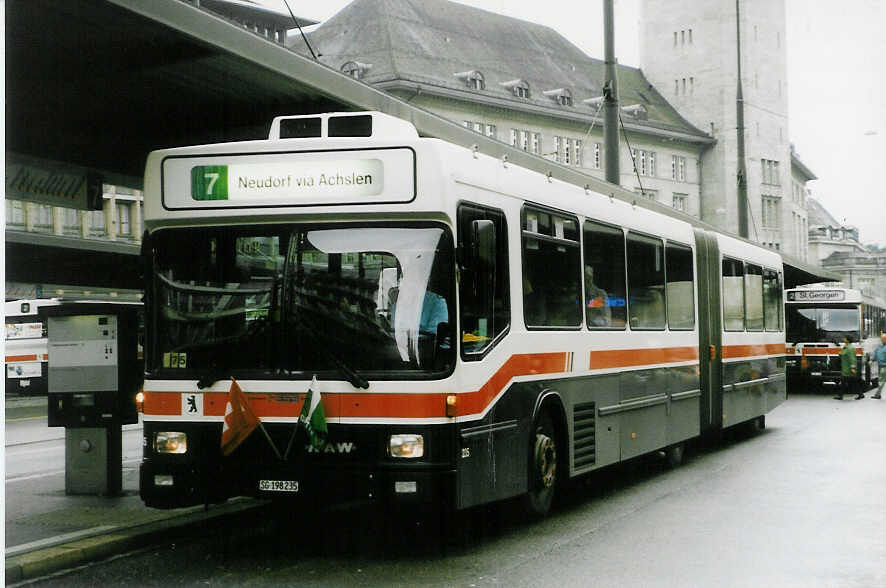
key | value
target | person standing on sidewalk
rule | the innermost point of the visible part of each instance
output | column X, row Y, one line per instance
column 880, row 358
column 847, row 369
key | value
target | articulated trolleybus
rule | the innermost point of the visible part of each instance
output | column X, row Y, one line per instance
column 817, row 320
column 477, row 331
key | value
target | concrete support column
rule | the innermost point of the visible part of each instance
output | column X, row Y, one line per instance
column 135, row 217
column 84, row 223
column 58, row 220
column 110, row 207
column 30, row 215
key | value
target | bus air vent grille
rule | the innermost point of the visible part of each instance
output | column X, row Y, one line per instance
column 584, row 428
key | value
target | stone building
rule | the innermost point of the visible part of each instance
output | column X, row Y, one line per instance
column 518, row 82
column 836, row 247
column 527, row 85
column 689, row 51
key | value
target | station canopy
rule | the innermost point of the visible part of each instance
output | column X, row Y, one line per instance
column 100, row 83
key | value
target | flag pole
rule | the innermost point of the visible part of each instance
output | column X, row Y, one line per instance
column 291, row 439
column 298, row 422
column 271, row 441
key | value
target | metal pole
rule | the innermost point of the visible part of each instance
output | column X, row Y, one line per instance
column 739, row 117
column 610, row 97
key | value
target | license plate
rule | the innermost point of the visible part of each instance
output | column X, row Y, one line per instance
column 816, row 373
column 278, row 485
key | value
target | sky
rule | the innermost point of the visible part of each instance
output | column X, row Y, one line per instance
column 836, row 85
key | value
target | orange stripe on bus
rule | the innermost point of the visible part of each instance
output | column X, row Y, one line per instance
column 615, row 358
column 733, row 351
column 31, row 357
column 516, row 365
column 827, row 351
column 383, row 405
column 162, row 403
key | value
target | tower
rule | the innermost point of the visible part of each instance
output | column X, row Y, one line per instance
column 689, row 50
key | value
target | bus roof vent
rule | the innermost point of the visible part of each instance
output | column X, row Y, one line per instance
column 341, row 124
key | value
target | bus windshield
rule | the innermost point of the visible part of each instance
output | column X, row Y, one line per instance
column 373, row 300
column 821, row 324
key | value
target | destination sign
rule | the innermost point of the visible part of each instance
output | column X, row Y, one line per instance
column 816, row 295
column 259, row 181
column 284, row 179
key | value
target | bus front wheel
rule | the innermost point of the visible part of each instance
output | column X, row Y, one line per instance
column 543, row 467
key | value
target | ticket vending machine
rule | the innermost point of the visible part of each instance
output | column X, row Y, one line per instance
column 94, row 374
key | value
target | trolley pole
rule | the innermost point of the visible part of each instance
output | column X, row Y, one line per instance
column 610, row 97
column 739, row 119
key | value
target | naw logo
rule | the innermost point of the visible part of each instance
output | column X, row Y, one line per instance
column 340, row 448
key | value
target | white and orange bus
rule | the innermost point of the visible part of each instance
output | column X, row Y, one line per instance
column 26, row 353
column 817, row 320
column 479, row 331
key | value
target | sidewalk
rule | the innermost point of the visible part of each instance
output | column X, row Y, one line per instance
column 47, row 530
column 18, row 407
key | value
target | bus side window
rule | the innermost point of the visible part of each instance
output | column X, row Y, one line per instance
column 771, row 300
column 483, row 285
column 646, row 282
column 604, row 276
column 551, row 270
column 753, row 284
column 733, row 295
column 680, row 291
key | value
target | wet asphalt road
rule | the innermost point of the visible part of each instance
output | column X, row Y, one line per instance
column 802, row 504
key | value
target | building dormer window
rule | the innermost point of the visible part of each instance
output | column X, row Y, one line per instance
column 562, row 96
column 638, row 111
column 355, row 69
column 596, row 102
column 518, row 87
column 473, row 79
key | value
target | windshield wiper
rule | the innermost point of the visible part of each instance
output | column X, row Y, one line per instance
column 356, row 380
column 350, row 374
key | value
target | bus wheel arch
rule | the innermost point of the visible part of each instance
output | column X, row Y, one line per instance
column 547, row 454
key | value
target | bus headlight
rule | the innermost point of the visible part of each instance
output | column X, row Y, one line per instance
column 407, row 445
column 170, row 442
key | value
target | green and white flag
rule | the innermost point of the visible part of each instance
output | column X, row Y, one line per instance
column 313, row 418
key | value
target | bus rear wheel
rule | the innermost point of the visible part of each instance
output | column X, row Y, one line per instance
column 544, row 468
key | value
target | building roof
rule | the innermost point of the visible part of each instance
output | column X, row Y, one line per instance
column 246, row 10
column 801, row 167
column 428, row 42
column 818, row 215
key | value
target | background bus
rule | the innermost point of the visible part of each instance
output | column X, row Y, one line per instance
column 479, row 331
column 817, row 320
column 26, row 347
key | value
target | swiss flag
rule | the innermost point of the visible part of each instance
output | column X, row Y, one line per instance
column 240, row 421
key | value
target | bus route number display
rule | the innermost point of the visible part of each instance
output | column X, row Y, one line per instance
column 268, row 181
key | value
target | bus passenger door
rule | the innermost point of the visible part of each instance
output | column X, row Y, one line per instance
column 709, row 330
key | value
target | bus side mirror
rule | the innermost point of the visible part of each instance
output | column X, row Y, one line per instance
column 483, row 243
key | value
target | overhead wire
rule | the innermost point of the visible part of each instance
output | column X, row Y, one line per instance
column 297, row 24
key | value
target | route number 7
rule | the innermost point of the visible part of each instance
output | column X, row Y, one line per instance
column 213, row 178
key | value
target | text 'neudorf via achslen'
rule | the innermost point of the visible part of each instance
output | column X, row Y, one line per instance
column 303, row 181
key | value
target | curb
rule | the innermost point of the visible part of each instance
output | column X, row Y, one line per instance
column 78, row 552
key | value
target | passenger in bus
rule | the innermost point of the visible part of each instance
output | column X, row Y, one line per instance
column 596, row 302
column 847, row 369
column 434, row 311
column 880, row 358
